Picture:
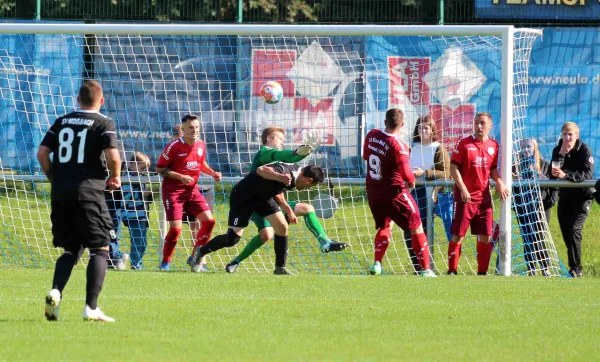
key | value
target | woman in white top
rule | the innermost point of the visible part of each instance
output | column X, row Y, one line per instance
column 430, row 160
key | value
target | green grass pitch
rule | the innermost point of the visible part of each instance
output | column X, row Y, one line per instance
column 220, row 317
column 259, row 317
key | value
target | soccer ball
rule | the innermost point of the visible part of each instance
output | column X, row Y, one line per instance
column 272, row 92
column 325, row 205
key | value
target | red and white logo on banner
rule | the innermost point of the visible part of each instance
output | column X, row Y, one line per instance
column 453, row 124
column 309, row 119
column 272, row 65
column 406, row 84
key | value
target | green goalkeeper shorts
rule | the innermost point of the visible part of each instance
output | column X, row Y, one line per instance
column 262, row 223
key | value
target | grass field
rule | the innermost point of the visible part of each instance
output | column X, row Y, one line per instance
column 220, row 317
column 26, row 238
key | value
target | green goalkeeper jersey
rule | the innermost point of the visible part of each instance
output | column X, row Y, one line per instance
column 267, row 155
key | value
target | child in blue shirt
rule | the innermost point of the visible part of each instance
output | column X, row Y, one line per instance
column 136, row 197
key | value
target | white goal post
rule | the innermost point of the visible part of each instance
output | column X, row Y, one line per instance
column 343, row 78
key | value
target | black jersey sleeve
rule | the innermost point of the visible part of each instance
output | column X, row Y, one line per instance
column 51, row 136
column 108, row 131
column 287, row 168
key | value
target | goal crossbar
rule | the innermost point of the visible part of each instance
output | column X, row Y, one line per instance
column 258, row 29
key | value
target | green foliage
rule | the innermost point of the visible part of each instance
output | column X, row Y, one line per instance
column 292, row 9
column 7, row 4
column 261, row 11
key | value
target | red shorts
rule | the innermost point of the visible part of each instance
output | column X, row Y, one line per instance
column 402, row 210
column 175, row 204
column 479, row 216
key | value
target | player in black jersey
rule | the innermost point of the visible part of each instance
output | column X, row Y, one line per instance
column 254, row 193
column 80, row 217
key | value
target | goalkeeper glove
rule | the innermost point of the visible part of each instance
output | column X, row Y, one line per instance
column 313, row 141
column 303, row 150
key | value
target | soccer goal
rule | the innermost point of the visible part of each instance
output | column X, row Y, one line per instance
column 338, row 81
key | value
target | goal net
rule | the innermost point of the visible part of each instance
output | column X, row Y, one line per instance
column 338, row 82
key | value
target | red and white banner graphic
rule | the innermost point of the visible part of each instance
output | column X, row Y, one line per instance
column 406, row 84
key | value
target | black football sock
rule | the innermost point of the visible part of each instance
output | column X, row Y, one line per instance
column 216, row 243
column 62, row 270
column 281, row 246
column 219, row 242
column 96, row 272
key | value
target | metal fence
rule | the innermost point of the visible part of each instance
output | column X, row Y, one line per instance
column 263, row 11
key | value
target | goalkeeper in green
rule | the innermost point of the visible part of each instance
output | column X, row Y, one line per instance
column 271, row 151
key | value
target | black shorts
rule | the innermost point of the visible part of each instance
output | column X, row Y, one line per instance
column 241, row 207
column 188, row 218
column 77, row 224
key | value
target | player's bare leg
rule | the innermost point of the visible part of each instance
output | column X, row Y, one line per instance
column 280, row 228
column 170, row 243
column 312, row 223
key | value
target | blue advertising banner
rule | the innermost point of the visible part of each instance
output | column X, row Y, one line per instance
column 538, row 9
column 449, row 78
column 339, row 87
column 38, row 76
column 564, row 85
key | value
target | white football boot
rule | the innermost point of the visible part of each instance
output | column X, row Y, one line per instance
column 90, row 314
column 52, row 305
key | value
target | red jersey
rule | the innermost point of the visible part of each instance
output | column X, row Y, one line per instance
column 475, row 160
column 388, row 163
column 184, row 159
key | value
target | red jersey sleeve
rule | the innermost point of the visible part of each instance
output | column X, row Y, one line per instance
column 495, row 158
column 458, row 153
column 403, row 162
column 166, row 156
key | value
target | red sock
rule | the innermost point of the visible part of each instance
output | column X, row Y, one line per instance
column 204, row 233
column 170, row 242
column 454, row 250
column 421, row 249
column 484, row 251
column 382, row 240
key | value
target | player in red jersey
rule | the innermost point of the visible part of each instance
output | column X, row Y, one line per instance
column 389, row 179
column 474, row 160
column 180, row 164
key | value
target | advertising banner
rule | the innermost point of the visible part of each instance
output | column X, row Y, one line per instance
column 538, row 9
column 338, row 88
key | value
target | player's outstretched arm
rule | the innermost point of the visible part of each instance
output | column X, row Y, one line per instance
column 113, row 163
column 273, row 155
column 269, row 174
column 43, row 156
column 300, row 153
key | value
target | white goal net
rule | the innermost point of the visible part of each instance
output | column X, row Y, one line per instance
column 338, row 82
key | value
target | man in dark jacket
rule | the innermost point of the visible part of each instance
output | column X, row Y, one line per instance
column 572, row 160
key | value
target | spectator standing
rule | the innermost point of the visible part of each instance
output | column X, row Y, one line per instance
column 572, row 160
